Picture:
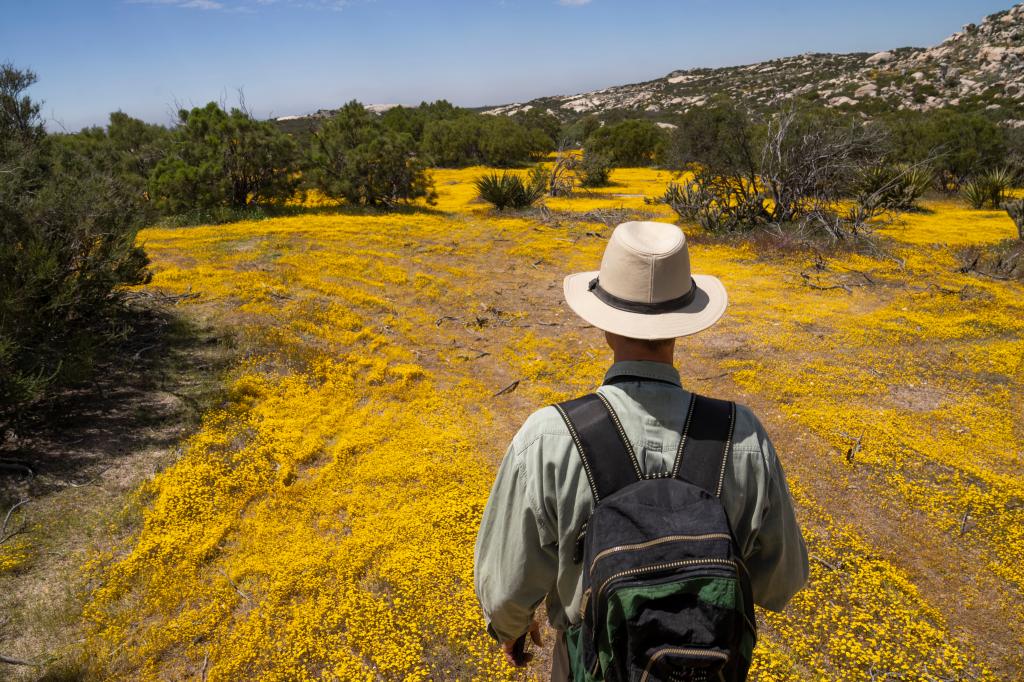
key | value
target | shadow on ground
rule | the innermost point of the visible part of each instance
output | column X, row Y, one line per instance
column 72, row 464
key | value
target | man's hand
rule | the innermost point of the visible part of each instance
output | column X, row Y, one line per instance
column 515, row 649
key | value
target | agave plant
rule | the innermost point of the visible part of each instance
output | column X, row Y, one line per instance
column 892, row 187
column 991, row 188
column 975, row 193
column 509, row 190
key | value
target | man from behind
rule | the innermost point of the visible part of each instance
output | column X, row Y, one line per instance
column 650, row 519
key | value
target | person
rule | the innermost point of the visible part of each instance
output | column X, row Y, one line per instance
column 643, row 297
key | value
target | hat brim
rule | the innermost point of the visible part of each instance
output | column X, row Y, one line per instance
column 707, row 308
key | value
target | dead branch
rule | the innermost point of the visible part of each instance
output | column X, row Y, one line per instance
column 242, row 593
column 4, row 535
column 854, row 449
column 14, row 661
column 963, row 521
column 812, row 285
column 508, row 389
column 716, row 376
column 826, row 564
column 90, row 481
column 18, row 465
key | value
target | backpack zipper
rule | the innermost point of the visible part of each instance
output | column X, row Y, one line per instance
column 664, row 566
column 724, row 657
column 657, row 541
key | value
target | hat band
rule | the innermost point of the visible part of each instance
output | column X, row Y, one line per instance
column 643, row 308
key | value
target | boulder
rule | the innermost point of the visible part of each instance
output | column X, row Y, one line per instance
column 841, row 101
column 992, row 54
column 869, row 90
column 879, row 58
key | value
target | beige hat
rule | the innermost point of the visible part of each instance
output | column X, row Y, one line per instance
column 644, row 289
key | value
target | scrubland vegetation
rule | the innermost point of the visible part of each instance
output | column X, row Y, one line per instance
column 391, row 331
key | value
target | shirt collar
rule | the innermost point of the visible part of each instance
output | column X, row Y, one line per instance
column 645, row 369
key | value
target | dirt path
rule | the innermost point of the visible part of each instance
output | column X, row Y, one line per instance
column 88, row 453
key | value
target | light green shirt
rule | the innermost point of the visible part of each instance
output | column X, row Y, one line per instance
column 540, row 499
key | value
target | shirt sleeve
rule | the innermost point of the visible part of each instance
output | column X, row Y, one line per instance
column 514, row 568
column 778, row 561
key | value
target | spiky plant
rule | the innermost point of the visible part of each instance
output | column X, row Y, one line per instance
column 975, row 193
column 998, row 183
column 509, row 190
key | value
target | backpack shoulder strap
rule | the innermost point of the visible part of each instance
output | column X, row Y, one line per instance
column 608, row 457
column 704, row 447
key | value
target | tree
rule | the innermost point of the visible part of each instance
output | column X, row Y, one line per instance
column 220, row 158
column 579, row 130
column 127, row 148
column 958, row 145
column 67, row 243
column 413, row 120
column 451, row 143
column 505, row 143
column 543, row 123
column 721, row 137
column 629, row 143
column 354, row 157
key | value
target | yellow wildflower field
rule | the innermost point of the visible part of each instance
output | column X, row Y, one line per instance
column 320, row 523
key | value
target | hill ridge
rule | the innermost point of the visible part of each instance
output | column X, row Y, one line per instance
column 981, row 65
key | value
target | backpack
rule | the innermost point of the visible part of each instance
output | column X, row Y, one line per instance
column 666, row 597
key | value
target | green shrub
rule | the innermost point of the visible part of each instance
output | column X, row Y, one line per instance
column 220, row 158
column 988, row 189
column 716, row 204
column 67, row 245
column 356, row 158
column 956, row 144
column 595, row 170
column 629, row 143
column 510, row 190
column 892, row 187
column 472, row 139
column 975, row 193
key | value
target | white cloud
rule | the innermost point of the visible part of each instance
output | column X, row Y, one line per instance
column 574, row 3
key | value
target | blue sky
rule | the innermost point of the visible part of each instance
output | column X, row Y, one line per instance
column 295, row 56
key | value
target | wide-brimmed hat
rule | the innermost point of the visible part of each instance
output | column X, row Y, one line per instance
column 644, row 289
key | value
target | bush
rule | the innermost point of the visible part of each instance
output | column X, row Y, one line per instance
column 989, row 189
column 220, row 158
column 511, row 190
column 892, row 187
column 354, row 157
column 473, row 139
column 957, row 145
column 67, row 243
column 128, row 149
column 721, row 137
column 629, row 143
column 595, row 170
column 792, row 173
column 716, row 203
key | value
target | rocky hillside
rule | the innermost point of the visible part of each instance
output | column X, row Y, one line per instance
column 982, row 66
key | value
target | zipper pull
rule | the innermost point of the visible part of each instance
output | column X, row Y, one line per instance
column 577, row 555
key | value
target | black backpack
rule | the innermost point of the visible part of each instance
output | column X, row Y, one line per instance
column 666, row 597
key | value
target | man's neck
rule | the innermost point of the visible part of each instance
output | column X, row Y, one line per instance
column 646, row 357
